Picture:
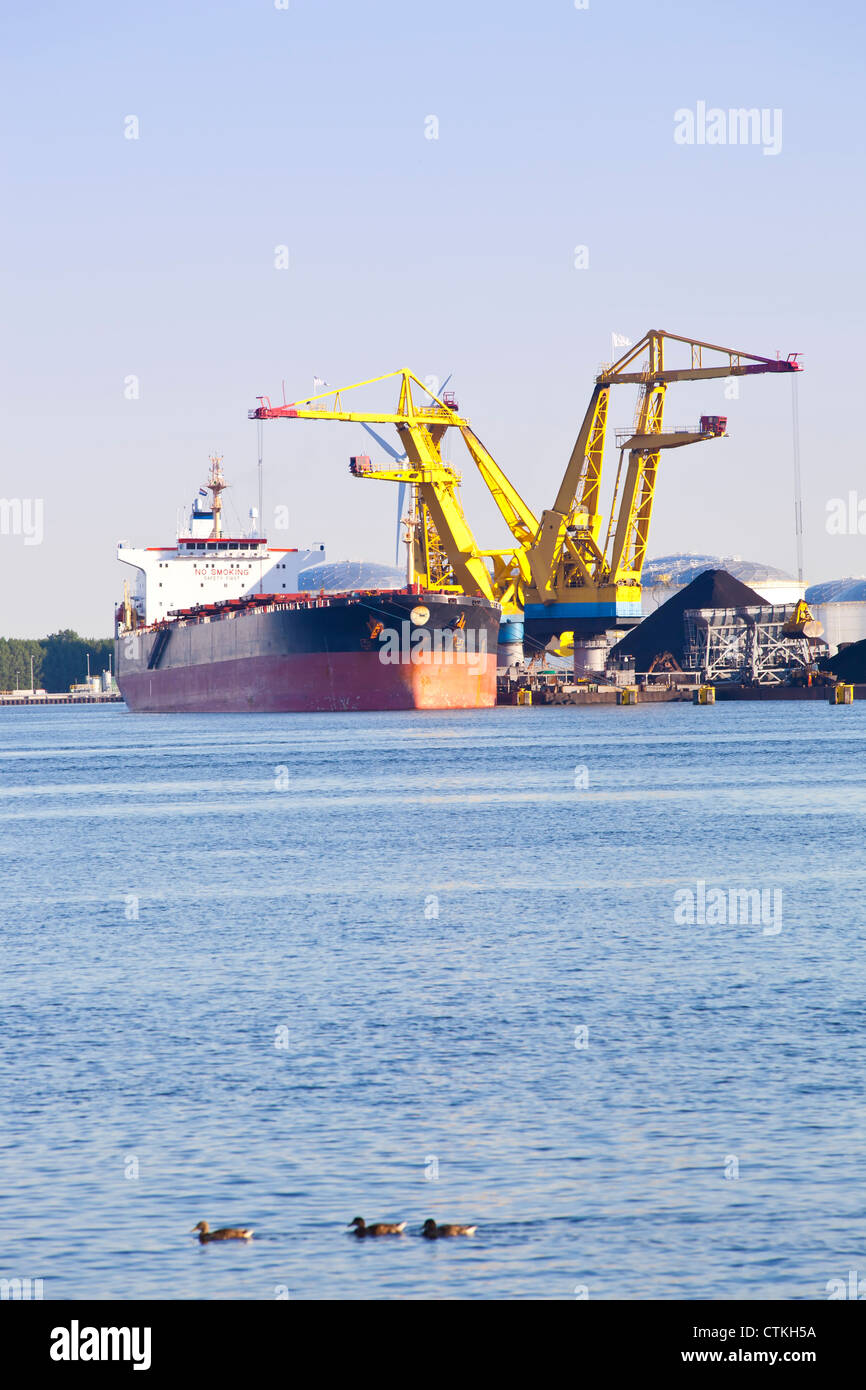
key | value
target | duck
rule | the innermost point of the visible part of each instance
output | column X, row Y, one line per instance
column 205, row 1233
column 379, row 1228
column 432, row 1231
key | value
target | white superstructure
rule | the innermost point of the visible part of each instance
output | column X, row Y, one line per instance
column 205, row 566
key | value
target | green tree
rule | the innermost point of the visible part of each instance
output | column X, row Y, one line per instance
column 15, row 654
column 64, row 658
column 59, row 660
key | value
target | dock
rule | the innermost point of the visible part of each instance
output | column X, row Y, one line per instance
column 548, row 688
column 108, row 698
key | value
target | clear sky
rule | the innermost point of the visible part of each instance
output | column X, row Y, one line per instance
column 306, row 127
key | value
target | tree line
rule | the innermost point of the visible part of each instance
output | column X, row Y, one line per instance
column 58, row 661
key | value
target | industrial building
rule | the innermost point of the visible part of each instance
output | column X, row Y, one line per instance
column 720, row 628
column 838, row 604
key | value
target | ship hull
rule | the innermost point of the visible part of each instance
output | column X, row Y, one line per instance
column 340, row 653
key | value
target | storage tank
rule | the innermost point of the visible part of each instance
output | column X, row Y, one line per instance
column 666, row 576
column 590, row 654
column 840, row 604
column 510, row 649
column 338, row 576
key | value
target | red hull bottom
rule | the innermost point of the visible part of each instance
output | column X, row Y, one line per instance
column 312, row 682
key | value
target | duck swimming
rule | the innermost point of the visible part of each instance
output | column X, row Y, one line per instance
column 379, row 1228
column 432, row 1231
column 224, row 1233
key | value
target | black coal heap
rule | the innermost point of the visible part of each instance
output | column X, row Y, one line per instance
column 664, row 630
column 848, row 665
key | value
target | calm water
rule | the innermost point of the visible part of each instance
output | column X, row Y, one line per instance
column 429, row 908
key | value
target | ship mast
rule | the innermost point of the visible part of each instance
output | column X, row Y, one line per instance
column 410, row 521
column 216, row 484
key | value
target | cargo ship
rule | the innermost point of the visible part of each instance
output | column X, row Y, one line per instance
column 218, row 623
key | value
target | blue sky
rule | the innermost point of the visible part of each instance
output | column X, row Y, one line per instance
column 305, row 127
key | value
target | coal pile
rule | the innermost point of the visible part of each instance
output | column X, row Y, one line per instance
column 663, row 633
column 848, row 665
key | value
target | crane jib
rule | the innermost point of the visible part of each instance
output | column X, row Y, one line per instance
column 560, row 562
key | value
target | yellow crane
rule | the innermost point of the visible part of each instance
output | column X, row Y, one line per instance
column 580, row 585
column 443, row 553
column 558, row 573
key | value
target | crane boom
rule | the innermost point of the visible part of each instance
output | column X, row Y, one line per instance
column 577, row 584
column 558, row 569
column 445, row 553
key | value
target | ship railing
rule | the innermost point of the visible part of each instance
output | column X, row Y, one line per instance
column 268, row 603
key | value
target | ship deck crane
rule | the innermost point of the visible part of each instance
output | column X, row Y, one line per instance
column 578, row 584
column 443, row 553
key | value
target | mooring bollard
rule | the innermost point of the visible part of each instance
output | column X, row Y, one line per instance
column 842, row 695
column 627, row 696
column 524, row 697
column 704, row 695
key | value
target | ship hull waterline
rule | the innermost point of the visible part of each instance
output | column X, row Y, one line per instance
column 348, row 653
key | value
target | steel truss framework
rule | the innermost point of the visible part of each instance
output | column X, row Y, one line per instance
column 746, row 646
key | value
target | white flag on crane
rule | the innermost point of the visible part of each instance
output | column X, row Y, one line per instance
column 317, row 381
column 619, row 340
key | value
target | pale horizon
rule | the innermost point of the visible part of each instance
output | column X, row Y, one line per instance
column 491, row 193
